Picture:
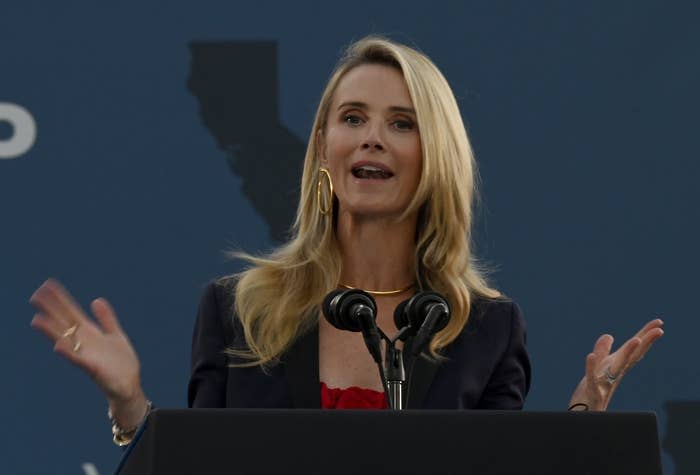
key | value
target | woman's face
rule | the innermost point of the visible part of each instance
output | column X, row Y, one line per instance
column 371, row 145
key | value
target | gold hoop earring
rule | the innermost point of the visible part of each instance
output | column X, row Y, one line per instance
column 324, row 171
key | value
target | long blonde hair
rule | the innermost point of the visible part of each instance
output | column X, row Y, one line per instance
column 278, row 297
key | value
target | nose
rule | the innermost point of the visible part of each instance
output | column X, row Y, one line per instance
column 372, row 144
column 372, row 141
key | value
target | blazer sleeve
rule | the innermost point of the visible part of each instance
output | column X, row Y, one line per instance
column 207, row 385
column 510, row 381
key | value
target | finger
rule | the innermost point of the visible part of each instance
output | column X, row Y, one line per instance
column 59, row 321
column 646, row 341
column 43, row 300
column 591, row 362
column 603, row 345
column 65, row 300
column 56, row 300
column 591, row 378
column 105, row 315
column 622, row 358
column 651, row 325
column 47, row 326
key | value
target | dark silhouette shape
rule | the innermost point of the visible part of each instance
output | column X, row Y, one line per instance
column 682, row 435
column 236, row 84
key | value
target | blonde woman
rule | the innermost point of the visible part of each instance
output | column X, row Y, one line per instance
column 386, row 206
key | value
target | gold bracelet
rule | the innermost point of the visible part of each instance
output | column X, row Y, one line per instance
column 122, row 437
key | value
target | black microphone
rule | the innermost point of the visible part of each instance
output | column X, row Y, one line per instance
column 356, row 311
column 425, row 314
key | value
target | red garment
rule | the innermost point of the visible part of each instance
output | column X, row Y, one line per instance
column 351, row 398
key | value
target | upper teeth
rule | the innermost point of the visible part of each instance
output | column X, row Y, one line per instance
column 370, row 168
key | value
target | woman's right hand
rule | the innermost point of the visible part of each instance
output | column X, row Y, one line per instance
column 101, row 349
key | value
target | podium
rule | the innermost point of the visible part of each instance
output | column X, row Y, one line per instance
column 335, row 442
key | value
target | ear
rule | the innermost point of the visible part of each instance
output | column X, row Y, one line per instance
column 321, row 147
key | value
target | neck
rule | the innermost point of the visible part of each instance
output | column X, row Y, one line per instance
column 377, row 254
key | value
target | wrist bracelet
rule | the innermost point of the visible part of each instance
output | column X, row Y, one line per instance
column 579, row 404
column 122, row 437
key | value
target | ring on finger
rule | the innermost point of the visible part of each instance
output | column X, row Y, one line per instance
column 70, row 332
column 609, row 377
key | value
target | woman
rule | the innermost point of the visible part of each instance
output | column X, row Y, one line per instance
column 386, row 206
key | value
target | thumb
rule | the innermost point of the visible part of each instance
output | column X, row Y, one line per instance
column 105, row 315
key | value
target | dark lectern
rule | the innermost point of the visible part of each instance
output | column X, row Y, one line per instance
column 229, row 441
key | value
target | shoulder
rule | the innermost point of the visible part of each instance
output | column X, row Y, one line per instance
column 494, row 321
column 217, row 307
column 219, row 294
column 486, row 305
column 224, row 287
column 499, row 312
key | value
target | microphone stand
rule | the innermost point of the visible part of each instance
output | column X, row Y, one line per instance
column 394, row 371
column 395, row 377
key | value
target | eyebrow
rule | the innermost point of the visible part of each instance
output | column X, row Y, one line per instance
column 362, row 105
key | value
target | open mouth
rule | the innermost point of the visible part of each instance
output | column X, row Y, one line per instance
column 369, row 172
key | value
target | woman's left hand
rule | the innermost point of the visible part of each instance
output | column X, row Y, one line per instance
column 604, row 370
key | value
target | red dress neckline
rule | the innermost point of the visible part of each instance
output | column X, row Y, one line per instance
column 351, row 398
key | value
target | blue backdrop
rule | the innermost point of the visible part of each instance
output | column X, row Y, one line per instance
column 158, row 127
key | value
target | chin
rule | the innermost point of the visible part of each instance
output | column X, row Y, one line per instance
column 372, row 210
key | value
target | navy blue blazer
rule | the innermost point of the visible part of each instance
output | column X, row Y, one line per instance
column 486, row 367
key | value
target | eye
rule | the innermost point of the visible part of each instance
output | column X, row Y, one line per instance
column 352, row 119
column 403, row 124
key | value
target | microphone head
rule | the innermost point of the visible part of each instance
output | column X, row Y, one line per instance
column 401, row 316
column 326, row 306
column 412, row 312
column 339, row 308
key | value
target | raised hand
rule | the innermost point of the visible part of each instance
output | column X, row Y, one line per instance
column 604, row 370
column 98, row 347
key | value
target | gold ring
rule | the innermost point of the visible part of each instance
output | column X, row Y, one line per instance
column 76, row 347
column 70, row 331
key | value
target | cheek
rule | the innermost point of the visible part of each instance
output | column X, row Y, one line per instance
column 414, row 159
column 334, row 152
column 339, row 149
column 339, row 143
column 417, row 173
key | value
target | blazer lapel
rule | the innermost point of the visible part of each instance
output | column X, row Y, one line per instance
column 421, row 378
column 301, row 371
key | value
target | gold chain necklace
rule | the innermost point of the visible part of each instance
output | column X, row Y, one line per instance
column 381, row 292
